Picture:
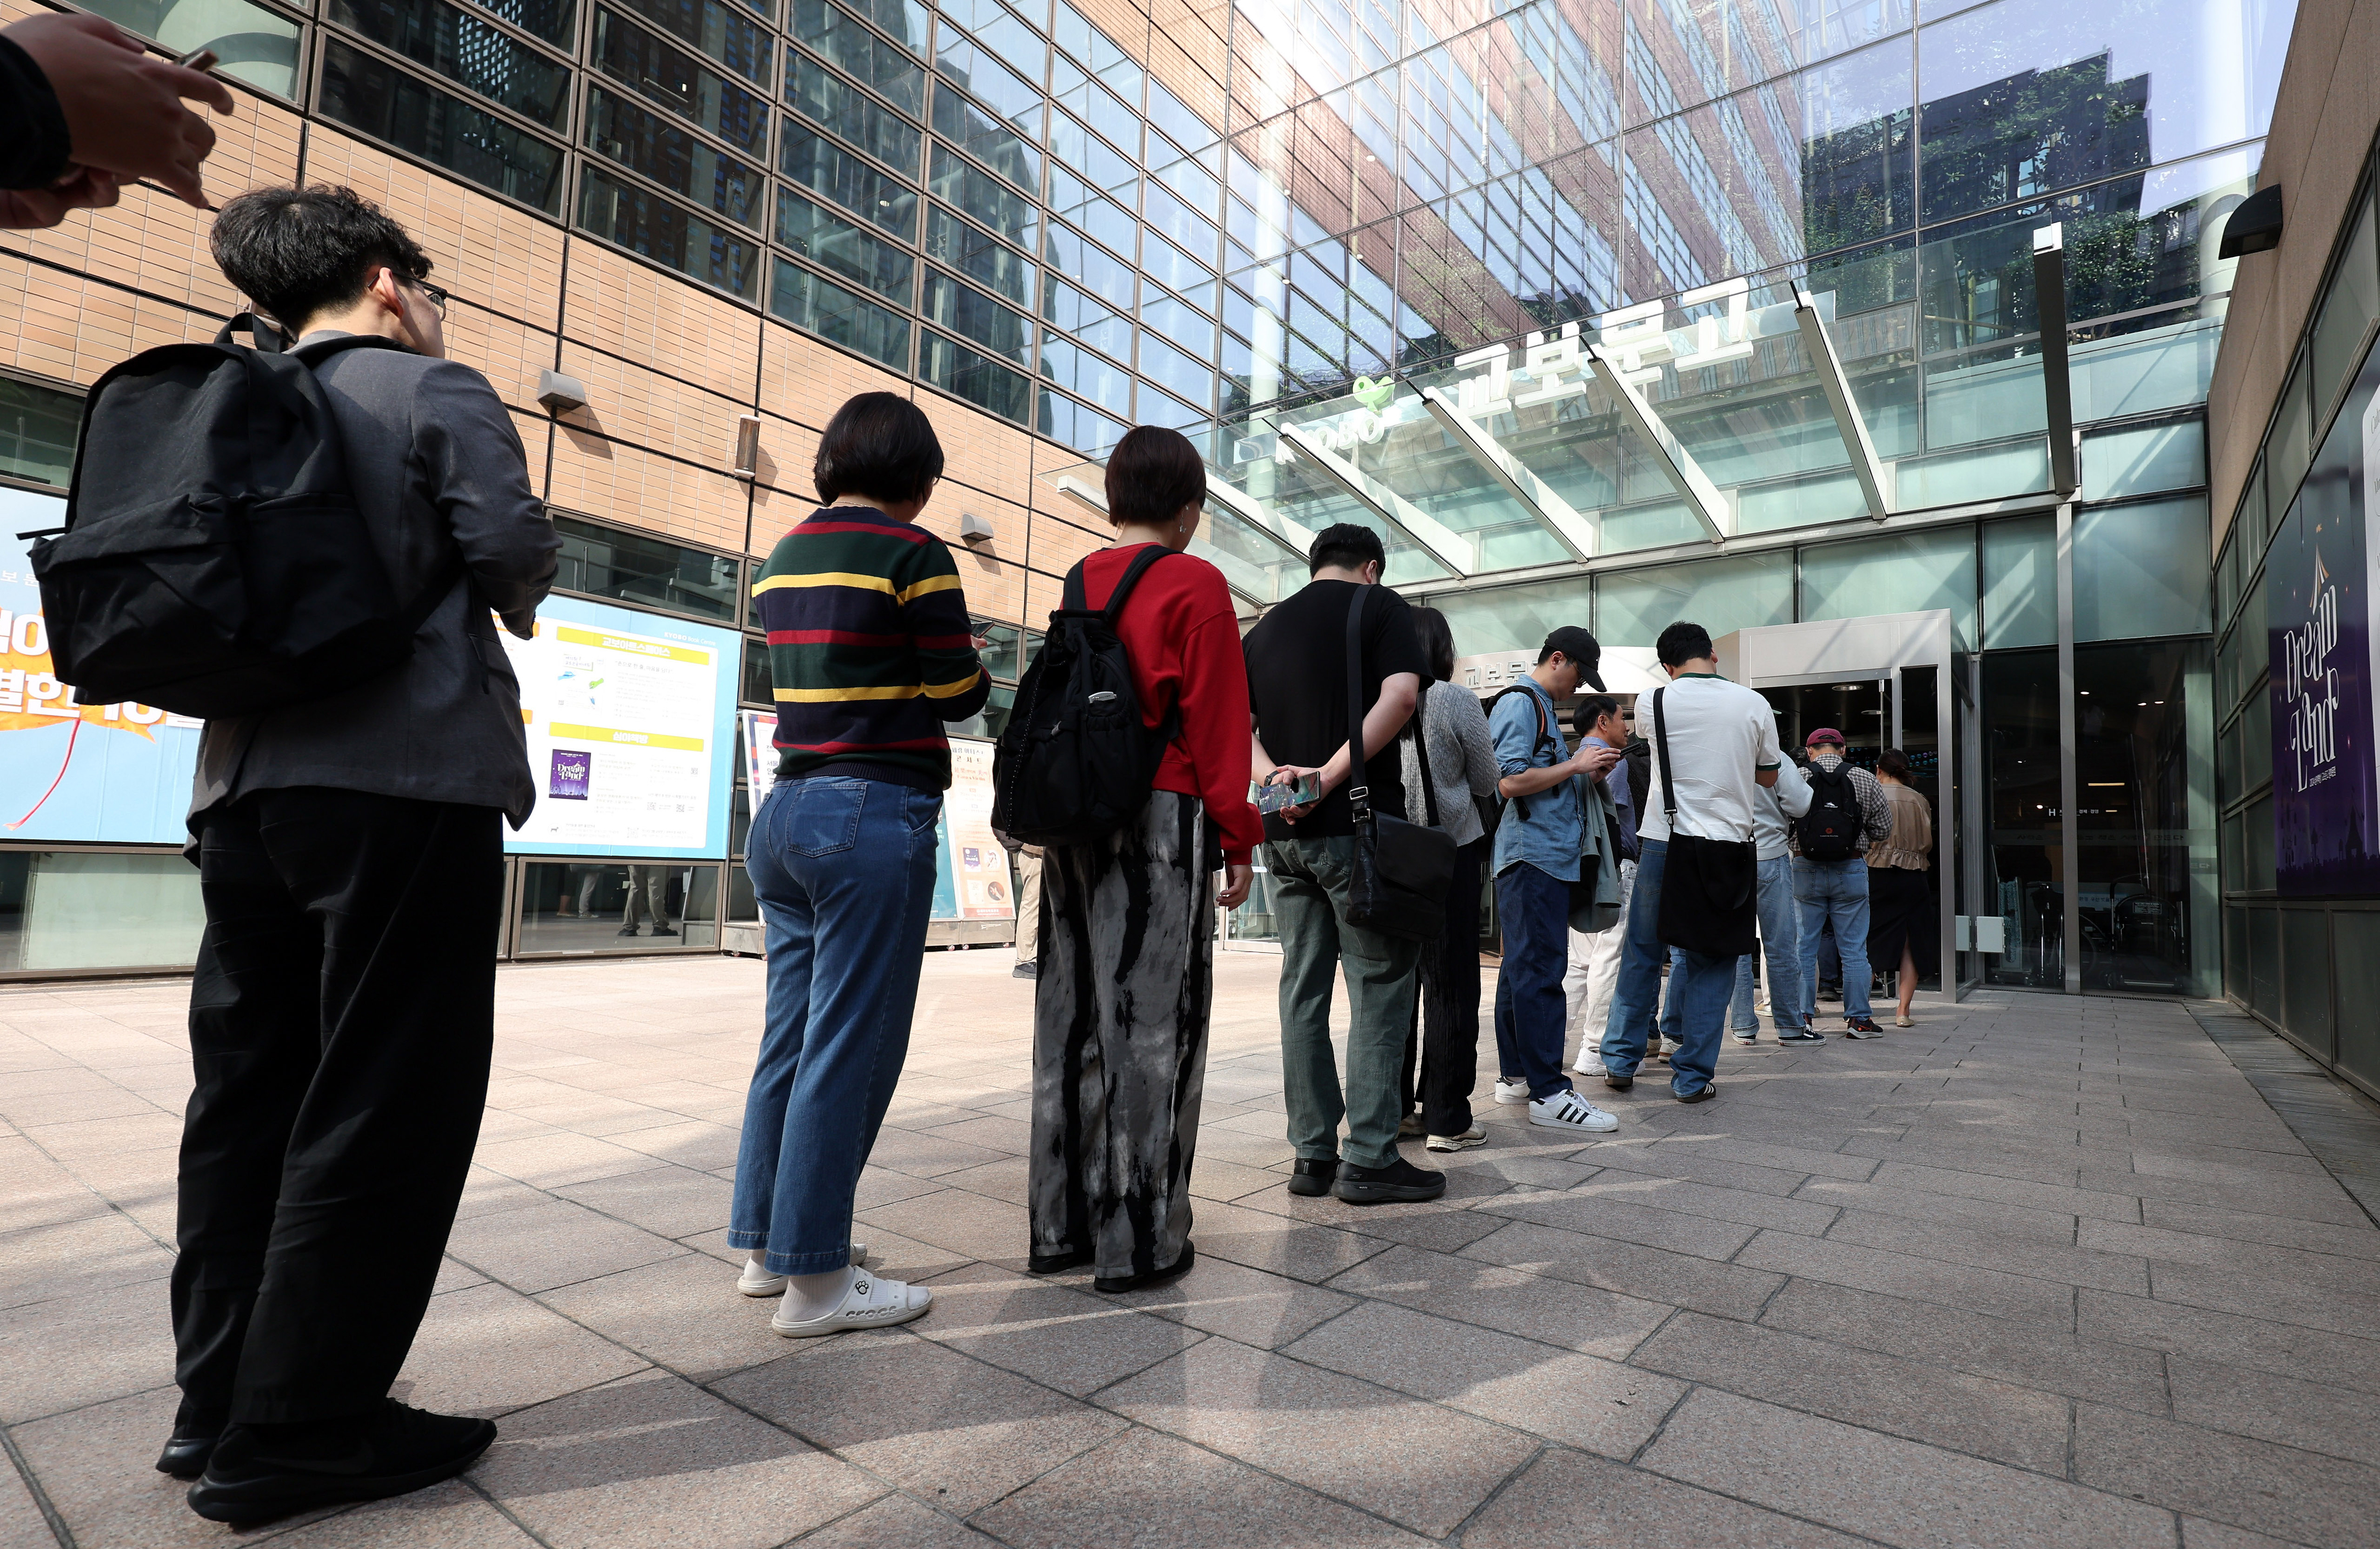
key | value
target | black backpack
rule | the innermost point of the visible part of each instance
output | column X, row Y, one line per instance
column 1832, row 828
column 214, row 561
column 1075, row 760
column 1520, row 804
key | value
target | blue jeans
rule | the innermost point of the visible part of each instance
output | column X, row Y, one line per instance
column 1698, row 989
column 843, row 869
column 1532, row 912
column 1781, row 938
column 1835, row 890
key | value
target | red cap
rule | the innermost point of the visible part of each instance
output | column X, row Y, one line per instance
column 1825, row 734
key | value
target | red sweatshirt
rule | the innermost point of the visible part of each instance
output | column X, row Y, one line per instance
column 1184, row 643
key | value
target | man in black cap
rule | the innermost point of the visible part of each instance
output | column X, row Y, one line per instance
column 1538, row 847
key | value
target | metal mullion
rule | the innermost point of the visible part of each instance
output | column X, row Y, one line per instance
column 557, row 53
column 453, row 88
column 727, row 224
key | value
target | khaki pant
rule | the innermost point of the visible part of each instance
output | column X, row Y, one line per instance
column 1028, row 906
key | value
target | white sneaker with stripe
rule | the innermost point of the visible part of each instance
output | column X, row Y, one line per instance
column 1568, row 1110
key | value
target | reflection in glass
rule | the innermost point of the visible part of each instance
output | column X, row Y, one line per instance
column 2145, row 812
column 64, row 909
column 815, row 303
column 1632, row 607
column 1902, row 573
column 465, row 50
column 256, row 45
column 2024, row 881
column 588, row 907
column 2021, row 582
column 639, row 568
column 654, row 146
column 671, row 76
column 2141, row 571
column 669, row 233
column 378, row 99
column 38, row 426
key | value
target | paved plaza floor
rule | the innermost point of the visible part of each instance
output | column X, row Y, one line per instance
column 2038, row 1270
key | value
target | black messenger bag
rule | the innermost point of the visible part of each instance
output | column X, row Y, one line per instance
column 1403, row 870
column 1710, row 888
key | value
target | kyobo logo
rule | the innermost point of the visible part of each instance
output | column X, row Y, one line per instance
column 1374, row 394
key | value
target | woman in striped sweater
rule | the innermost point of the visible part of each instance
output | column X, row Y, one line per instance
column 870, row 652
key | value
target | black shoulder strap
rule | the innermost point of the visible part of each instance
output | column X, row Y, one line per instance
column 1076, row 598
column 1359, row 786
column 1661, row 749
column 1421, row 755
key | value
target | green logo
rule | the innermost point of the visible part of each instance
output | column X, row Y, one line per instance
column 1375, row 395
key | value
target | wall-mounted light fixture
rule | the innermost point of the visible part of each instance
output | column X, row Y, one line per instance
column 2254, row 225
column 748, row 447
column 974, row 529
column 560, row 393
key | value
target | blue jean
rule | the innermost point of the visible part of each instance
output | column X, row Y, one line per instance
column 1698, row 989
column 1532, row 912
column 843, row 869
column 1781, row 938
column 1835, row 890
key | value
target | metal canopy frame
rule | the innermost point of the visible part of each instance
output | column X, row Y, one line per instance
column 1819, row 345
column 1450, row 548
column 2057, row 385
column 1293, row 540
column 1711, row 508
column 1575, row 532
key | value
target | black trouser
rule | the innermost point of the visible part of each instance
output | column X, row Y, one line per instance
column 1447, row 1010
column 341, row 1021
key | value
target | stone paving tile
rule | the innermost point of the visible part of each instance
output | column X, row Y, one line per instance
column 667, row 1201
column 2013, row 1350
column 2264, row 1193
column 2096, row 1202
column 449, row 1515
column 1279, row 1245
column 2321, row 1501
column 1350, row 1439
column 1905, row 1274
column 1075, row 1341
column 1575, row 1400
column 1983, row 1248
column 959, row 1221
column 2345, row 1274
column 1648, row 1274
column 2260, row 1343
column 1005, row 1179
column 557, row 1243
column 1925, row 1403
column 1177, row 1496
column 553, row 1160
column 2315, row 1417
column 1567, row 1499
column 488, row 1350
column 1806, row 1214
column 896, row 1522
column 1944, row 1210
column 74, row 1259
column 2199, row 1534
column 2278, row 1297
column 684, row 1314
column 1607, row 1215
column 625, row 1463
column 925, row 1419
column 1577, row 1317
column 1690, row 1160
column 2360, row 1239
column 61, row 1355
column 1902, row 1493
column 22, row 1526
column 1249, row 1305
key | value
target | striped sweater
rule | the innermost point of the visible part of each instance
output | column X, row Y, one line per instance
column 869, row 649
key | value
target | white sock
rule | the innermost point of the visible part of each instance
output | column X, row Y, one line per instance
column 813, row 1296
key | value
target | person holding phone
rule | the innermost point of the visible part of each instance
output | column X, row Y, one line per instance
column 84, row 109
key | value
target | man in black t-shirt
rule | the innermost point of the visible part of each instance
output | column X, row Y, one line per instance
column 1297, row 699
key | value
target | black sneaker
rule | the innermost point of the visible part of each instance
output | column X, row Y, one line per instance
column 1617, row 1083
column 262, row 1472
column 1710, row 1090
column 1025, row 971
column 192, row 1443
column 1056, row 1263
column 1313, row 1177
column 664, row 930
column 628, row 930
column 1119, row 1283
column 1862, row 1027
column 1400, row 1182
column 1805, row 1033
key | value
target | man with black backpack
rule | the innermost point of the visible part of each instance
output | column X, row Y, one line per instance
column 1847, row 808
column 350, row 857
column 1298, row 675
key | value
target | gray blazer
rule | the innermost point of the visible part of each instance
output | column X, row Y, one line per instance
column 435, row 465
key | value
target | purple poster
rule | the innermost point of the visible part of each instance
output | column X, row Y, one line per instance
column 569, row 779
column 2325, row 810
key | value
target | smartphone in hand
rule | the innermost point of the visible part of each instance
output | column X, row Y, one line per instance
column 1303, row 792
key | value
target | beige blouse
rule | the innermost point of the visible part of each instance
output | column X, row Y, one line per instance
column 1910, row 846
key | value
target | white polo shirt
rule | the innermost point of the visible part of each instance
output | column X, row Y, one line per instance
column 1721, row 735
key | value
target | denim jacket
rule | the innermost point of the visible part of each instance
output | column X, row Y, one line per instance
column 1526, row 737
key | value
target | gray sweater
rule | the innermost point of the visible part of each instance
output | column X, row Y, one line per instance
column 435, row 465
column 1461, row 759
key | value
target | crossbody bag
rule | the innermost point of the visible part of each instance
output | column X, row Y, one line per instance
column 1403, row 870
column 1709, row 888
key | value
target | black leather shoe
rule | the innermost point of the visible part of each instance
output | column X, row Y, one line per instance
column 1056, row 1263
column 1313, row 1177
column 1400, row 1182
column 262, row 1472
column 1710, row 1090
column 1619, row 1083
column 192, row 1443
column 1117, row 1285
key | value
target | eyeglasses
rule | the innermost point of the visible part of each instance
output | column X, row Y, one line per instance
column 437, row 295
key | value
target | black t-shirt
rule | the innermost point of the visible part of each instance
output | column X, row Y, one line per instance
column 1297, row 686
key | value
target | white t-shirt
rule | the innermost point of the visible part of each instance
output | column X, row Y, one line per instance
column 1721, row 735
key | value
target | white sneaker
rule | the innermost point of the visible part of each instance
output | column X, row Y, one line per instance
column 1515, row 1091
column 871, row 1302
column 1590, row 1062
column 756, row 1280
column 1474, row 1136
column 1568, row 1110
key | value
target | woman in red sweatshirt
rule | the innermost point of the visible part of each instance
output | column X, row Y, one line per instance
column 1128, row 923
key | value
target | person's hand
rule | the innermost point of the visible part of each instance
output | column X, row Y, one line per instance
column 1288, row 774
column 36, row 209
column 1237, row 881
column 1594, row 763
column 124, row 109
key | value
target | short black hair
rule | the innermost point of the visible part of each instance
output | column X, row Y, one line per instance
column 1591, row 709
column 1348, row 546
column 298, row 253
column 879, row 445
column 1682, row 642
column 1152, row 473
column 1437, row 641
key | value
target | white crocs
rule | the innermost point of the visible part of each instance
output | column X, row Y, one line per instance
column 871, row 1302
column 756, row 1280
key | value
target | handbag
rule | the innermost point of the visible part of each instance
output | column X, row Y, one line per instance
column 1402, row 870
column 1709, row 888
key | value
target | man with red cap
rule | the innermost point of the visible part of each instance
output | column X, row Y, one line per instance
column 1847, row 808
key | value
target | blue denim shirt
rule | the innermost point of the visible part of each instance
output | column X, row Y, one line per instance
column 1526, row 737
